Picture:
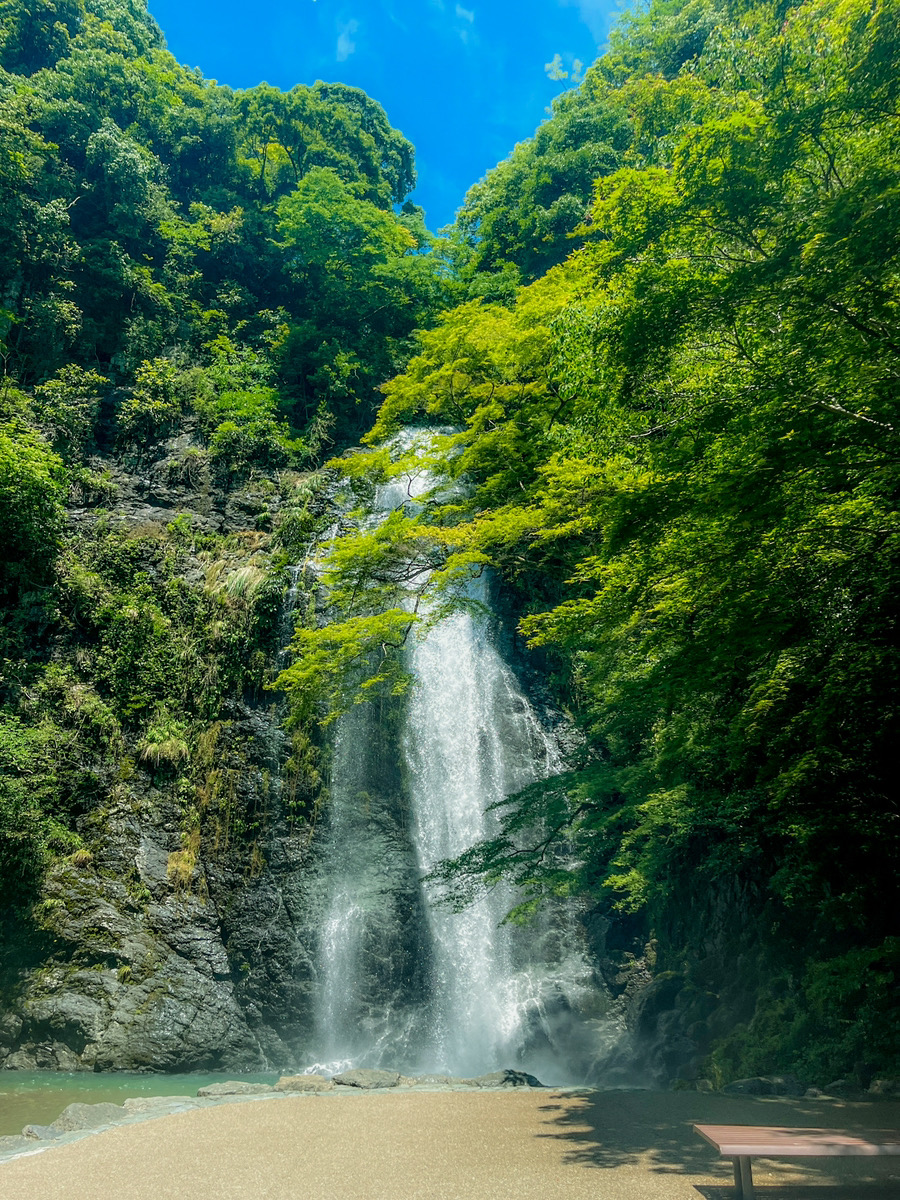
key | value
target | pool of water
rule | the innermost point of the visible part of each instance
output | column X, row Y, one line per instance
column 38, row 1097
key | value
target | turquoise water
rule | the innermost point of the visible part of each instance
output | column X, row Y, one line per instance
column 38, row 1097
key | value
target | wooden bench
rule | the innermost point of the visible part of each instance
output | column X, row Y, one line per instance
column 743, row 1142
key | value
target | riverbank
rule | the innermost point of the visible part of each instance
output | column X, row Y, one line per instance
column 480, row 1145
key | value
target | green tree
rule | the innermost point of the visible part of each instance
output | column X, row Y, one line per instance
column 31, row 506
column 68, row 405
column 361, row 272
column 525, row 213
column 288, row 134
column 37, row 34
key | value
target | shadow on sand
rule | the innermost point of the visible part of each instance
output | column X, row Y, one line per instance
column 871, row 1189
column 653, row 1131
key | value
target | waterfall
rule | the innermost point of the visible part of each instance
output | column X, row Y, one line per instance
column 471, row 739
column 403, row 982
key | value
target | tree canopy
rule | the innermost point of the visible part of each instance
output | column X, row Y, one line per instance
column 141, row 209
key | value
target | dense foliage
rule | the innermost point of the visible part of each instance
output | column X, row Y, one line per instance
column 146, row 212
column 666, row 374
column 681, row 445
column 199, row 289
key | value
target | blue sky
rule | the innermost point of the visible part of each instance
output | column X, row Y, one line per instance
column 463, row 81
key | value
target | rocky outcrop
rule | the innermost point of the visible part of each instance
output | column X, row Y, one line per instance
column 149, row 951
column 368, row 1079
column 234, row 1087
column 148, row 985
column 139, row 982
column 305, row 1083
column 152, row 971
column 173, row 480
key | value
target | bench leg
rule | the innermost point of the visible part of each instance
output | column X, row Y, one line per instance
column 743, row 1179
column 738, row 1182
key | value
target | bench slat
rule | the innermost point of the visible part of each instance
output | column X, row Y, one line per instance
column 778, row 1141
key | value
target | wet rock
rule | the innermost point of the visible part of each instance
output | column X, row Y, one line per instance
column 15, row 1145
column 235, row 1087
column 41, row 1133
column 152, row 863
column 88, row 1116
column 368, row 1078
column 45, row 1056
column 72, row 1016
column 655, row 1000
column 10, row 1028
column 505, row 1079
column 786, row 1085
column 193, row 934
column 304, row 1083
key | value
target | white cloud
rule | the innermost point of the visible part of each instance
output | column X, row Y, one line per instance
column 596, row 14
column 466, row 14
column 345, row 43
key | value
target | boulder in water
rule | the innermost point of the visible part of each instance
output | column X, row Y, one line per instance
column 40, row 1133
column 368, row 1078
column 234, row 1087
column 304, row 1083
column 14, row 1145
column 88, row 1116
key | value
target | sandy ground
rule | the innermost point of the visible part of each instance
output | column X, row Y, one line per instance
column 451, row 1146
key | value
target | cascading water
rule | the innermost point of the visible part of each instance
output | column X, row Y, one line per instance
column 471, row 739
column 403, row 982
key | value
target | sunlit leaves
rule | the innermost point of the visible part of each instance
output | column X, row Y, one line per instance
column 345, row 663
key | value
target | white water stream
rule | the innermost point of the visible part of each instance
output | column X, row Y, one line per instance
column 471, row 739
column 405, row 983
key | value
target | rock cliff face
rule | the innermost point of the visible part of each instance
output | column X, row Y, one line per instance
column 166, row 945
column 182, row 936
column 144, row 972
